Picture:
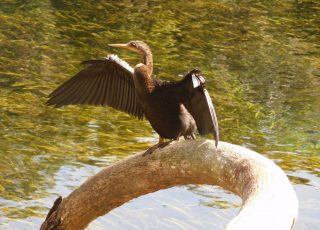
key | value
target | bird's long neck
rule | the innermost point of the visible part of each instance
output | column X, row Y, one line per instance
column 144, row 82
column 148, row 61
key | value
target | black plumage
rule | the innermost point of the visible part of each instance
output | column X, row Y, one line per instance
column 173, row 109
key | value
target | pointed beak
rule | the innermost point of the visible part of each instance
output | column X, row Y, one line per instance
column 120, row 45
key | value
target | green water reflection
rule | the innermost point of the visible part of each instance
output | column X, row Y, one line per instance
column 261, row 60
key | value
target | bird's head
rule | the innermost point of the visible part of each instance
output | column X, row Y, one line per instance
column 136, row 46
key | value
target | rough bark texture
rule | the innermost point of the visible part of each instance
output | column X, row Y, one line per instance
column 269, row 201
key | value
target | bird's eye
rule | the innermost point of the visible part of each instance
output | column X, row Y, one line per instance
column 134, row 44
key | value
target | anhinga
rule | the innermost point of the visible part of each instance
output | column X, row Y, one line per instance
column 173, row 109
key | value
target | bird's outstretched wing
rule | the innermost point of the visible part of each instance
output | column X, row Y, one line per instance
column 199, row 104
column 104, row 82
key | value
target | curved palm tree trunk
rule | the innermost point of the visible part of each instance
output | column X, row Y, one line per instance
column 269, row 201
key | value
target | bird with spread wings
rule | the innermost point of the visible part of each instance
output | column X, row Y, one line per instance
column 174, row 109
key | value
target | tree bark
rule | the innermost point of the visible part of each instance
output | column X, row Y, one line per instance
column 269, row 201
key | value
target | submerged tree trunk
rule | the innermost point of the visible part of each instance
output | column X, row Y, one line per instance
column 269, row 201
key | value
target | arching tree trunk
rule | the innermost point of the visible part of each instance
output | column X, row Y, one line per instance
column 269, row 201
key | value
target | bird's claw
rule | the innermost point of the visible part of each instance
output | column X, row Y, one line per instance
column 156, row 146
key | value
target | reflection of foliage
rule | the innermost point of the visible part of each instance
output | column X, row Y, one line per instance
column 215, row 196
column 294, row 162
column 261, row 61
column 221, row 204
column 298, row 180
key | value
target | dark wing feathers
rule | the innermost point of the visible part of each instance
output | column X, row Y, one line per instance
column 103, row 82
column 199, row 104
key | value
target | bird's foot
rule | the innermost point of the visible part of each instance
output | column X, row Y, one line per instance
column 156, row 146
column 150, row 150
column 190, row 137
